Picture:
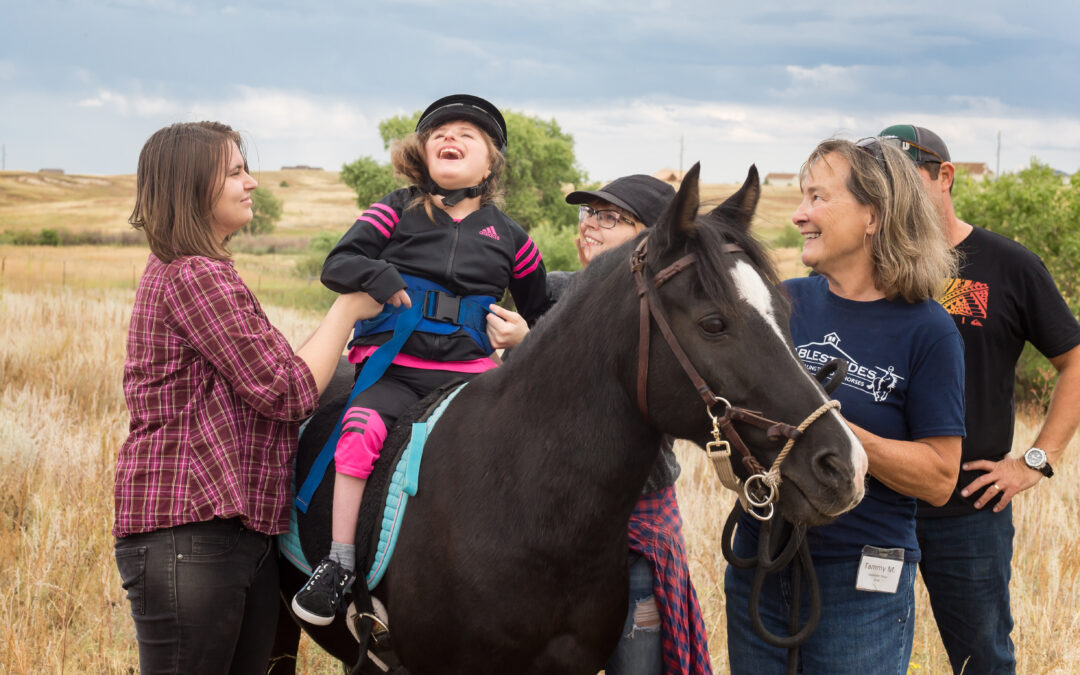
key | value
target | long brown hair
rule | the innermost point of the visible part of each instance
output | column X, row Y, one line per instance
column 179, row 178
column 911, row 255
column 407, row 157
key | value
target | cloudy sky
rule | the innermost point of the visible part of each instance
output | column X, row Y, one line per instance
column 639, row 84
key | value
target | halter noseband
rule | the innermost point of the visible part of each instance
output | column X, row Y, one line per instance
column 761, row 488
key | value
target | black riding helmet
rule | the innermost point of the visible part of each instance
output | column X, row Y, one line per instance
column 469, row 108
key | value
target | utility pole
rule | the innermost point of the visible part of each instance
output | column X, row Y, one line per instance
column 680, row 156
column 997, row 169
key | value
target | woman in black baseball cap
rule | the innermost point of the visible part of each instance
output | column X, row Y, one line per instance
column 615, row 213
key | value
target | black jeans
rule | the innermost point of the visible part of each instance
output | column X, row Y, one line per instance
column 204, row 597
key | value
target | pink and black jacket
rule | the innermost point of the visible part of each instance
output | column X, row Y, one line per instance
column 485, row 253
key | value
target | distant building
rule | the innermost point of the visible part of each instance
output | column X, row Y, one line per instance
column 977, row 170
column 785, row 179
column 301, row 167
column 669, row 175
column 59, row 172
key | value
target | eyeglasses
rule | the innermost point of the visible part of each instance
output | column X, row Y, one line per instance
column 605, row 218
column 904, row 144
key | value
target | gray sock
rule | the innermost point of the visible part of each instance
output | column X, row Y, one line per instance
column 343, row 554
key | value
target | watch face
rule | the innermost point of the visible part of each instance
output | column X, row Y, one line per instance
column 1035, row 458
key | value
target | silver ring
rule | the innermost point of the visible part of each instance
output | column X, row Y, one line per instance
column 996, row 487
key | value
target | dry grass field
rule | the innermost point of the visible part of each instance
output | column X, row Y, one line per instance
column 313, row 201
column 63, row 318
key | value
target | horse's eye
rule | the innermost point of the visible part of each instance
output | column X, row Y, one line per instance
column 713, row 325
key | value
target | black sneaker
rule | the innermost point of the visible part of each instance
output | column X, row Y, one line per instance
column 318, row 601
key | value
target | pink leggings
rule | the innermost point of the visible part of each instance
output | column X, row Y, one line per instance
column 363, row 433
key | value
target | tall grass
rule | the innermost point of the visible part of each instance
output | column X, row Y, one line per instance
column 62, row 419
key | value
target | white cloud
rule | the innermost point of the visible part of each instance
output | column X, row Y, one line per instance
column 130, row 105
column 643, row 136
column 285, row 115
column 822, row 80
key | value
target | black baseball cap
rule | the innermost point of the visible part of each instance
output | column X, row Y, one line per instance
column 644, row 196
column 469, row 108
column 921, row 144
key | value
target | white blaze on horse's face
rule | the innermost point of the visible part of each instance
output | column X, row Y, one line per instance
column 753, row 289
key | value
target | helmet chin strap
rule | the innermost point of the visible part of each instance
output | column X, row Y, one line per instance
column 452, row 197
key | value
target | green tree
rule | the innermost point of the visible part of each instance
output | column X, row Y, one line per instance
column 370, row 180
column 310, row 264
column 49, row 238
column 1036, row 208
column 539, row 162
column 397, row 127
column 556, row 243
column 1040, row 210
column 266, row 210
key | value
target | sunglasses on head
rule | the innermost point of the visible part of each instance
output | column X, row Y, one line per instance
column 871, row 144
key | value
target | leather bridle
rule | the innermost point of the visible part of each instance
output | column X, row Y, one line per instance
column 764, row 493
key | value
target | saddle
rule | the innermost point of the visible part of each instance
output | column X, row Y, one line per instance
column 394, row 478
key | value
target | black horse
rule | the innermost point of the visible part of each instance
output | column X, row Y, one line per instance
column 513, row 556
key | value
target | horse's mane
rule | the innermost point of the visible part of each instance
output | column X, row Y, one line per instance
column 715, row 230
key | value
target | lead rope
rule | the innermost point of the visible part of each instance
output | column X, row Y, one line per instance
column 772, row 478
column 796, row 545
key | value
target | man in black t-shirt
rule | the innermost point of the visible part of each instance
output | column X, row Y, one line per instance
column 1004, row 297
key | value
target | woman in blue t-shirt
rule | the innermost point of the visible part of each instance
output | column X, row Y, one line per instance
column 879, row 254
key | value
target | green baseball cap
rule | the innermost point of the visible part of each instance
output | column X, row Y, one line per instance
column 921, row 144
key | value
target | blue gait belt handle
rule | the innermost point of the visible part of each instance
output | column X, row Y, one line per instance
column 376, row 364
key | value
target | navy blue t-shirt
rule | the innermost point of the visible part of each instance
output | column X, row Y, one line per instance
column 905, row 381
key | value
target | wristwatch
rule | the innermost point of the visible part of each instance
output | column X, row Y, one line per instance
column 1036, row 459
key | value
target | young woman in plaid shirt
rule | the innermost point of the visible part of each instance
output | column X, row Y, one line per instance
column 216, row 396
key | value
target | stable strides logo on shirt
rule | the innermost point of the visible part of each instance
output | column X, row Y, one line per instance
column 877, row 381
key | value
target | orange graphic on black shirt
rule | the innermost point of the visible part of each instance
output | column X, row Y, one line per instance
column 966, row 300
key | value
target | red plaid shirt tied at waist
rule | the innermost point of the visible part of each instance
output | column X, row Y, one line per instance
column 215, row 395
column 656, row 533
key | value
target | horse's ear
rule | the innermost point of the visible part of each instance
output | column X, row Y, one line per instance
column 738, row 209
column 679, row 218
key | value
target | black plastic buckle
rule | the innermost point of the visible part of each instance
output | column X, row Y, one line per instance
column 439, row 306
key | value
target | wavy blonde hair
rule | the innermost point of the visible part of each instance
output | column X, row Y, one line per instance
column 407, row 158
column 911, row 254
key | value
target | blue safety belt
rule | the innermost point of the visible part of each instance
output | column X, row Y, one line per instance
column 434, row 310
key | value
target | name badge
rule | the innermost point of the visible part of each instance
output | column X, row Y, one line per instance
column 879, row 569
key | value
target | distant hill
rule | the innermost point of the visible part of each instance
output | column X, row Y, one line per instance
column 313, row 201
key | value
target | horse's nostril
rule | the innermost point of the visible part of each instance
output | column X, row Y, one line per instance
column 830, row 469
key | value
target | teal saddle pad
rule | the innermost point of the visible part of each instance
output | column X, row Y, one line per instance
column 403, row 483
